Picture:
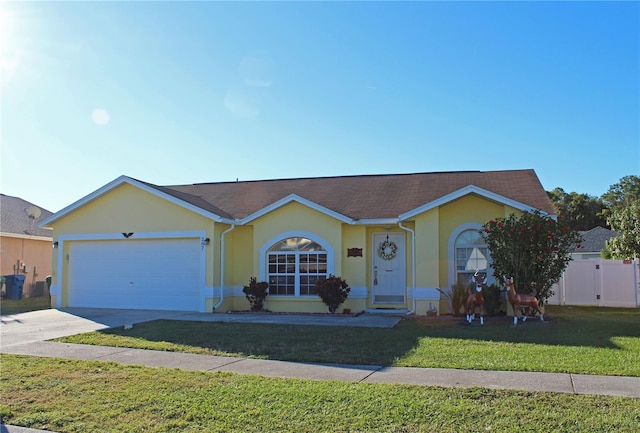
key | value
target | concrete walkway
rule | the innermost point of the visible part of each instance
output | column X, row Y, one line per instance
column 26, row 334
column 517, row 380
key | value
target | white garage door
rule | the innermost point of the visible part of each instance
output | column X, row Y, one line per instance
column 138, row 274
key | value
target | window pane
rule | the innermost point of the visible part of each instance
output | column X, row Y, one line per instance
column 471, row 254
column 281, row 285
column 295, row 263
column 296, row 244
column 469, row 237
column 308, row 285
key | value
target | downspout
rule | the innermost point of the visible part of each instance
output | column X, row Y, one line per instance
column 413, row 266
column 215, row 307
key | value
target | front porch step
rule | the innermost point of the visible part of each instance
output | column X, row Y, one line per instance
column 387, row 311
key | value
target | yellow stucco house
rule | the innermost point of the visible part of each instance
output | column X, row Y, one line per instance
column 395, row 239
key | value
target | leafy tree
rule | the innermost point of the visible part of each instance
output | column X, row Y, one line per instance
column 623, row 193
column 625, row 221
column 532, row 248
column 578, row 211
column 623, row 215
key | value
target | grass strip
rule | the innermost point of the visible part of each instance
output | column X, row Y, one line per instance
column 91, row 396
column 16, row 306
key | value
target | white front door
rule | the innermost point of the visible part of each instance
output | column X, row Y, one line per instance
column 389, row 270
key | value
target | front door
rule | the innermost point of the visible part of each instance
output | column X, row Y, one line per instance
column 389, row 270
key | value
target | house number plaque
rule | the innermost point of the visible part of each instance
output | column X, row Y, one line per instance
column 354, row 252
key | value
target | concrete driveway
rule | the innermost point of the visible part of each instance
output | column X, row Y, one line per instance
column 45, row 325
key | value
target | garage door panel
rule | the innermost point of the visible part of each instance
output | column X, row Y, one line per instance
column 148, row 274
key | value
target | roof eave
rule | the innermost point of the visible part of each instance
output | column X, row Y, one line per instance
column 295, row 198
column 46, row 223
column 469, row 189
column 26, row 236
column 377, row 221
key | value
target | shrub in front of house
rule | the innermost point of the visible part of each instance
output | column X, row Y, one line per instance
column 333, row 291
column 531, row 247
column 256, row 293
column 459, row 294
column 494, row 301
column 456, row 297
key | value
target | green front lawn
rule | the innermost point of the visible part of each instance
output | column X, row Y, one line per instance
column 82, row 396
column 574, row 340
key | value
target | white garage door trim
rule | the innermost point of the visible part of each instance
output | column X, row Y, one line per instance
column 139, row 290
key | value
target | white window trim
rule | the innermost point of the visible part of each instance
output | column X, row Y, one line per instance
column 452, row 248
column 264, row 251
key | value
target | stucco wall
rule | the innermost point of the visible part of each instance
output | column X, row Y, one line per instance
column 428, row 249
column 35, row 254
column 355, row 268
column 129, row 209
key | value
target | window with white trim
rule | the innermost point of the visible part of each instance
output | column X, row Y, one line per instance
column 471, row 254
column 294, row 266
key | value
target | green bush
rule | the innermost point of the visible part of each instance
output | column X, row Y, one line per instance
column 531, row 247
column 333, row 291
column 493, row 300
column 256, row 293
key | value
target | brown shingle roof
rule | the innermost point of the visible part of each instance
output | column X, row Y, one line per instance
column 363, row 197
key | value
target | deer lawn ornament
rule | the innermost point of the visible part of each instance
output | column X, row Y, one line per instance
column 475, row 298
column 518, row 301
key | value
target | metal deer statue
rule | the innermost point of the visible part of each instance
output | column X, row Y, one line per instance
column 518, row 301
column 475, row 298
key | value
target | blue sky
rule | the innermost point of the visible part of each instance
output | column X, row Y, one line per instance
column 186, row 92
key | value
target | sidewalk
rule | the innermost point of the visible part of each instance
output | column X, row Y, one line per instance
column 517, row 380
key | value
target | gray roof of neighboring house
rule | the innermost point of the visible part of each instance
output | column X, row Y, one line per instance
column 14, row 218
column 362, row 197
column 594, row 240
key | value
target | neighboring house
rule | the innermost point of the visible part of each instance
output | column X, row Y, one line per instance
column 396, row 239
column 593, row 242
column 25, row 247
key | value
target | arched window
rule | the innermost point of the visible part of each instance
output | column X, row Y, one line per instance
column 471, row 254
column 294, row 265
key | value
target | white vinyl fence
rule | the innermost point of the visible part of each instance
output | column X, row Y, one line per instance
column 599, row 282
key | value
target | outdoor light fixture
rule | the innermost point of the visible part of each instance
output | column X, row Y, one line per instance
column 205, row 241
column 55, row 244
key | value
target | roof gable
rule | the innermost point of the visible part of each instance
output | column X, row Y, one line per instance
column 193, row 204
column 470, row 189
column 294, row 198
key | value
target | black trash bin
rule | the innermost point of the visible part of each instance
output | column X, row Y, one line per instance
column 14, row 286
